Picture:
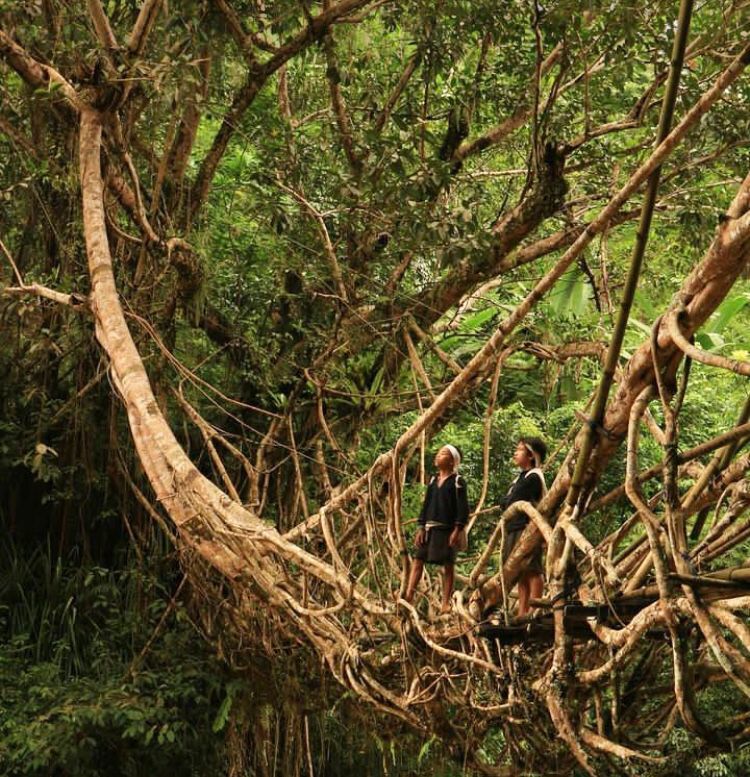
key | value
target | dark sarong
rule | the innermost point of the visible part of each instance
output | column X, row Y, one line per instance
column 436, row 549
column 534, row 563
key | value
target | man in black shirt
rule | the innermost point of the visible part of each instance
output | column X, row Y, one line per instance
column 528, row 486
column 444, row 515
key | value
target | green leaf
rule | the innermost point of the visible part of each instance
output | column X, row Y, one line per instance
column 223, row 714
column 476, row 321
column 425, row 750
column 570, row 296
column 709, row 341
column 727, row 311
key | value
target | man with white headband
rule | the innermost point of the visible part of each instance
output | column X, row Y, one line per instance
column 529, row 486
column 442, row 522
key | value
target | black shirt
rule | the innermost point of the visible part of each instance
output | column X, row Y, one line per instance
column 446, row 504
column 527, row 487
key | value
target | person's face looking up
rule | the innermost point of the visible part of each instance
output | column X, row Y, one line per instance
column 522, row 456
column 444, row 459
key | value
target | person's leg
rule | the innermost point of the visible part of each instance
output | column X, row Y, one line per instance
column 536, row 586
column 523, row 596
column 417, row 566
column 448, row 577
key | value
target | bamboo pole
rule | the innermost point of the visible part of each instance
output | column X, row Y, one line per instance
column 639, row 249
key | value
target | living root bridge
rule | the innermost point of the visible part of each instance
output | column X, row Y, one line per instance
column 338, row 599
column 255, row 558
column 387, row 656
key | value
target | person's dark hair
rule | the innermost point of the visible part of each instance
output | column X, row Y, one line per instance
column 537, row 445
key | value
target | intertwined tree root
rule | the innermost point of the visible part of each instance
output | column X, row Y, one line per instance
column 599, row 685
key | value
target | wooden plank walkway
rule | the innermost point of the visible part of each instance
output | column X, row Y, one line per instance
column 540, row 628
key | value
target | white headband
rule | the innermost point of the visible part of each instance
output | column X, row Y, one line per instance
column 456, row 455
